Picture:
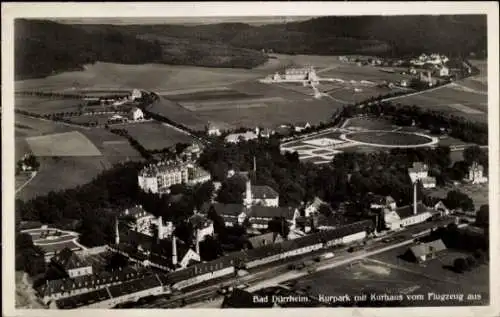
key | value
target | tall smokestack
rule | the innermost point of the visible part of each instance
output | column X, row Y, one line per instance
column 117, row 232
column 254, row 165
column 248, row 193
column 415, row 198
column 198, row 241
column 174, row 250
column 160, row 229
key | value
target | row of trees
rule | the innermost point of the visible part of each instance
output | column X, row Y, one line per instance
column 29, row 257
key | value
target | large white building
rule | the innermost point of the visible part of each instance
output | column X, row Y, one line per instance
column 405, row 216
column 157, row 178
column 135, row 114
column 476, row 174
column 237, row 137
column 420, row 172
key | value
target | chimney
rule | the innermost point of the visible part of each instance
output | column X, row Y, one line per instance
column 415, row 198
column 174, row 250
column 248, row 193
column 159, row 229
column 117, row 232
column 198, row 241
column 254, row 165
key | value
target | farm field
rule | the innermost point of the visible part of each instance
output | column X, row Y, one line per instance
column 385, row 273
column 369, row 124
column 155, row 77
column 155, row 135
column 45, row 105
column 62, row 173
column 347, row 71
column 452, row 100
column 62, row 144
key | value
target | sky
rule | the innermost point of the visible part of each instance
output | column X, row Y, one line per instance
column 183, row 20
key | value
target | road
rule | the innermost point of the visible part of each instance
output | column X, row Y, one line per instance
column 26, row 183
column 280, row 273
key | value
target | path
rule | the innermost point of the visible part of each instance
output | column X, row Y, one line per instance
column 26, row 183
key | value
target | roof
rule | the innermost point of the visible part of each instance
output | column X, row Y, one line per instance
column 429, row 180
column 424, row 249
column 418, row 167
column 135, row 109
column 199, row 221
column 263, row 239
column 152, row 170
column 83, row 299
column 242, row 299
column 228, row 209
column 271, row 212
column 264, row 192
column 87, row 281
column 316, row 203
column 234, row 137
column 67, row 260
column 134, row 286
column 136, row 211
column 407, row 211
column 301, row 124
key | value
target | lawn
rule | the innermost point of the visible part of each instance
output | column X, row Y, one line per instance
column 63, row 144
column 388, row 138
column 155, row 135
column 478, row 193
column 385, row 273
column 370, row 124
column 59, row 173
column 215, row 95
column 44, row 105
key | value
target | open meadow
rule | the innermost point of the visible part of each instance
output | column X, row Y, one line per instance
column 46, row 105
column 156, row 135
column 386, row 273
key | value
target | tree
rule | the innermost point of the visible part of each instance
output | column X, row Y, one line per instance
column 471, row 262
column 203, row 193
column 460, row 265
column 473, row 154
column 325, row 210
column 456, row 199
column 279, row 225
column 231, row 191
column 482, row 216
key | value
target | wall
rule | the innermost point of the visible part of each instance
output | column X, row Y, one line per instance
column 204, row 277
column 81, row 271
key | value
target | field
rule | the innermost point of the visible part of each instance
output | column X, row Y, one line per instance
column 45, row 105
column 478, row 193
column 386, row 273
column 155, row 135
column 62, row 144
column 388, row 138
column 459, row 99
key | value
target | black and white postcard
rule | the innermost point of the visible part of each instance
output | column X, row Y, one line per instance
column 209, row 158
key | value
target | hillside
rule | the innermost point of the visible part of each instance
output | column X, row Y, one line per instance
column 44, row 47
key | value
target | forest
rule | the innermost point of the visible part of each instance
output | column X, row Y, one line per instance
column 45, row 47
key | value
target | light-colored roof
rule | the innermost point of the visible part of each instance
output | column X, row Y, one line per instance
column 264, row 192
column 424, row 249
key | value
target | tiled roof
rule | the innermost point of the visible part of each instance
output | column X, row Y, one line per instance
column 263, row 239
column 87, row 281
column 424, row 249
column 271, row 212
column 67, row 260
column 134, row 286
column 418, row 167
column 407, row 211
column 83, row 299
column 264, row 192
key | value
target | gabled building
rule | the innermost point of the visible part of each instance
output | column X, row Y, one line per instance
column 476, row 175
column 67, row 263
column 313, row 207
column 300, row 126
column 265, row 239
column 136, row 114
column 425, row 251
column 406, row 216
column 257, row 217
column 237, row 137
column 381, row 202
column 212, row 130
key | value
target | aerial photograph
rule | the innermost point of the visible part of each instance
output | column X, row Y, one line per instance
column 253, row 162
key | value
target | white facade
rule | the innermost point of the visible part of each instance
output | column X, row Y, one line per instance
column 476, row 174
column 237, row 137
column 136, row 94
column 80, row 271
column 444, row 72
column 136, row 114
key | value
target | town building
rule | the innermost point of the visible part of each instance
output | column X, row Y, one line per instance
column 381, row 202
column 405, row 216
column 420, row 172
column 265, row 239
column 212, row 130
column 135, row 114
column 441, row 208
column 426, row 251
column 66, row 287
column 237, row 137
column 67, row 263
column 136, row 94
column 313, row 207
column 300, row 126
column 157, row 178
column 444, row 71
column 256, row 217
column 476, row 175
column 260, row 195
